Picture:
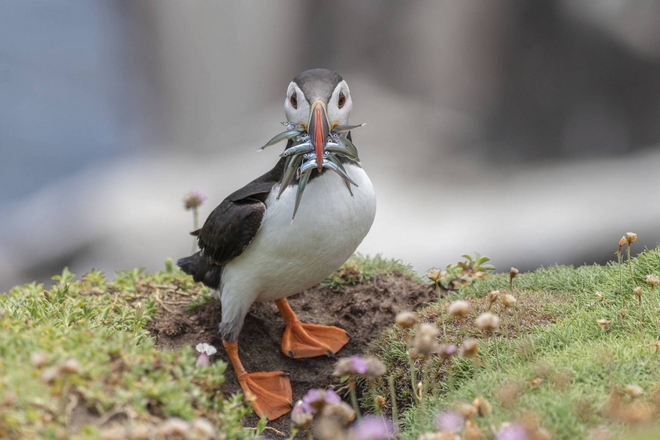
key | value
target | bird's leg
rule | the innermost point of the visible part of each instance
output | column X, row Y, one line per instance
column 302, row 340
column 269, row 392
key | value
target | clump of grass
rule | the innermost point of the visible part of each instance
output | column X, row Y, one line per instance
column 360, row 268
column 76, row 357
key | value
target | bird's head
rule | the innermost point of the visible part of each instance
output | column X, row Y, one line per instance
column 319, row 100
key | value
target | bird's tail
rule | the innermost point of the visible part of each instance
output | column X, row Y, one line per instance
column 201, row 269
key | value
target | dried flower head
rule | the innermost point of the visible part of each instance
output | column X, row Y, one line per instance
column 623, row 313
column 373, row 428
column 652, row 280
column 631, row 237
column 173, row 427
column 600, row 296
column 341, row 412
column 469, row 348
column 194, row 199
column 449, row 421
column 316, row 399
column 604, row 324
column 508, row 300
column 350, row 366
column 467, row 411
column 39, row 359
column 375, row 368
column 70, row 366
column 200, row 428
column 622, row 242
column 425, row 340
column 405, row 319
column 459, row 308
column 513, row 272
column 638, row 291
column 493, row 295
column 434, row 274
column 633, row 390
column 472, row 432
column 487, row 322
column 300, row 419
column 483, row 406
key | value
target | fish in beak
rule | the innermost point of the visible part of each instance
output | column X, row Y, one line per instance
column 318, row 129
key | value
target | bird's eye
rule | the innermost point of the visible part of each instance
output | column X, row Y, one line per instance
column 294, row 100
column 342, row 100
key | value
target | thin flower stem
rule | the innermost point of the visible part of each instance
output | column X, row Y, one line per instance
column 632, row 279
column 354, row 402
column 195, row 227
column 377, row 409
column 413, row 378
column 425, row 381
column 395, row 414
column 655, row 311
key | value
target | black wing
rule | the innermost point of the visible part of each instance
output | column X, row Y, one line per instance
column 231, row 226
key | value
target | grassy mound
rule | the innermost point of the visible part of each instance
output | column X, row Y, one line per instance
column 76, row 362
column 565, row 357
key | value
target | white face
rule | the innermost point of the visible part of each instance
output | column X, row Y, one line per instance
column 338, row 108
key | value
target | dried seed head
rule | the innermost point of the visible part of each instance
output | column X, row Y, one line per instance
column 472, row 432
column 469, row 348
column 483, row 406
column 513, row 272
column 508, row 300
column 405, row 319
column 633, row 390
column 604, row 323
column 174, row 427
column 623, row 313
column 487, row 322
column 70, row 366
column 139, row 311
column 493, row 295
column 341, row 412
column 375, row 368
column 536, row 382
column 631, row 237
column 652, row 280
column 425, row 340
column 600, row 296
column 194, row 199
column 300, row 419
column 39, row 359
column 381, row 401
column 467, row 411
column 638, row 291
column 622, row 242
column 434, row 274
column 459, row 308
column 201, row 429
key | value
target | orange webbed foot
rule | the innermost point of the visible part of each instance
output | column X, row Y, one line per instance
column 302, row 340
column 269, row 392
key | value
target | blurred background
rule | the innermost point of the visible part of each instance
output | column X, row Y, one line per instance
column 527, row 131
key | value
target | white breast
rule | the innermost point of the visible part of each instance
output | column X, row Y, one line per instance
column 287, row 257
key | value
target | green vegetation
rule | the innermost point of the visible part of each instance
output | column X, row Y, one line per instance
column 360, row 268
column 563, row 355
column 76, row 362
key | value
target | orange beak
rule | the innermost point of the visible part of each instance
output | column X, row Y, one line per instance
column 319, row 129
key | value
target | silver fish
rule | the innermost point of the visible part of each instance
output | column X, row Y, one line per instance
column 311, row 164
column 290, row 169
column 344, row 128
column 302, row 183
column 298, row 149
column 338, row 169
column 292, row 126
column 332, row 158
column 281, row 137
column 346, row 142
column 333, row 147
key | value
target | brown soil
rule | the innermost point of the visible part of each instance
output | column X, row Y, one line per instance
column 363, row 310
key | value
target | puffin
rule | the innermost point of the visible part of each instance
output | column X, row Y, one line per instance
column 288, row 230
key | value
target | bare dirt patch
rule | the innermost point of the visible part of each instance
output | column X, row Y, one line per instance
column 363, row 310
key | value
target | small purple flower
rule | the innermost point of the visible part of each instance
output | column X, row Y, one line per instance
column 449, row 422
column 447, row 350
column 373, row 428
column 316, row 399
column 194, row 199
column 512, row 432
column 300, row 418
column 205, row 351
column 351, row 365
